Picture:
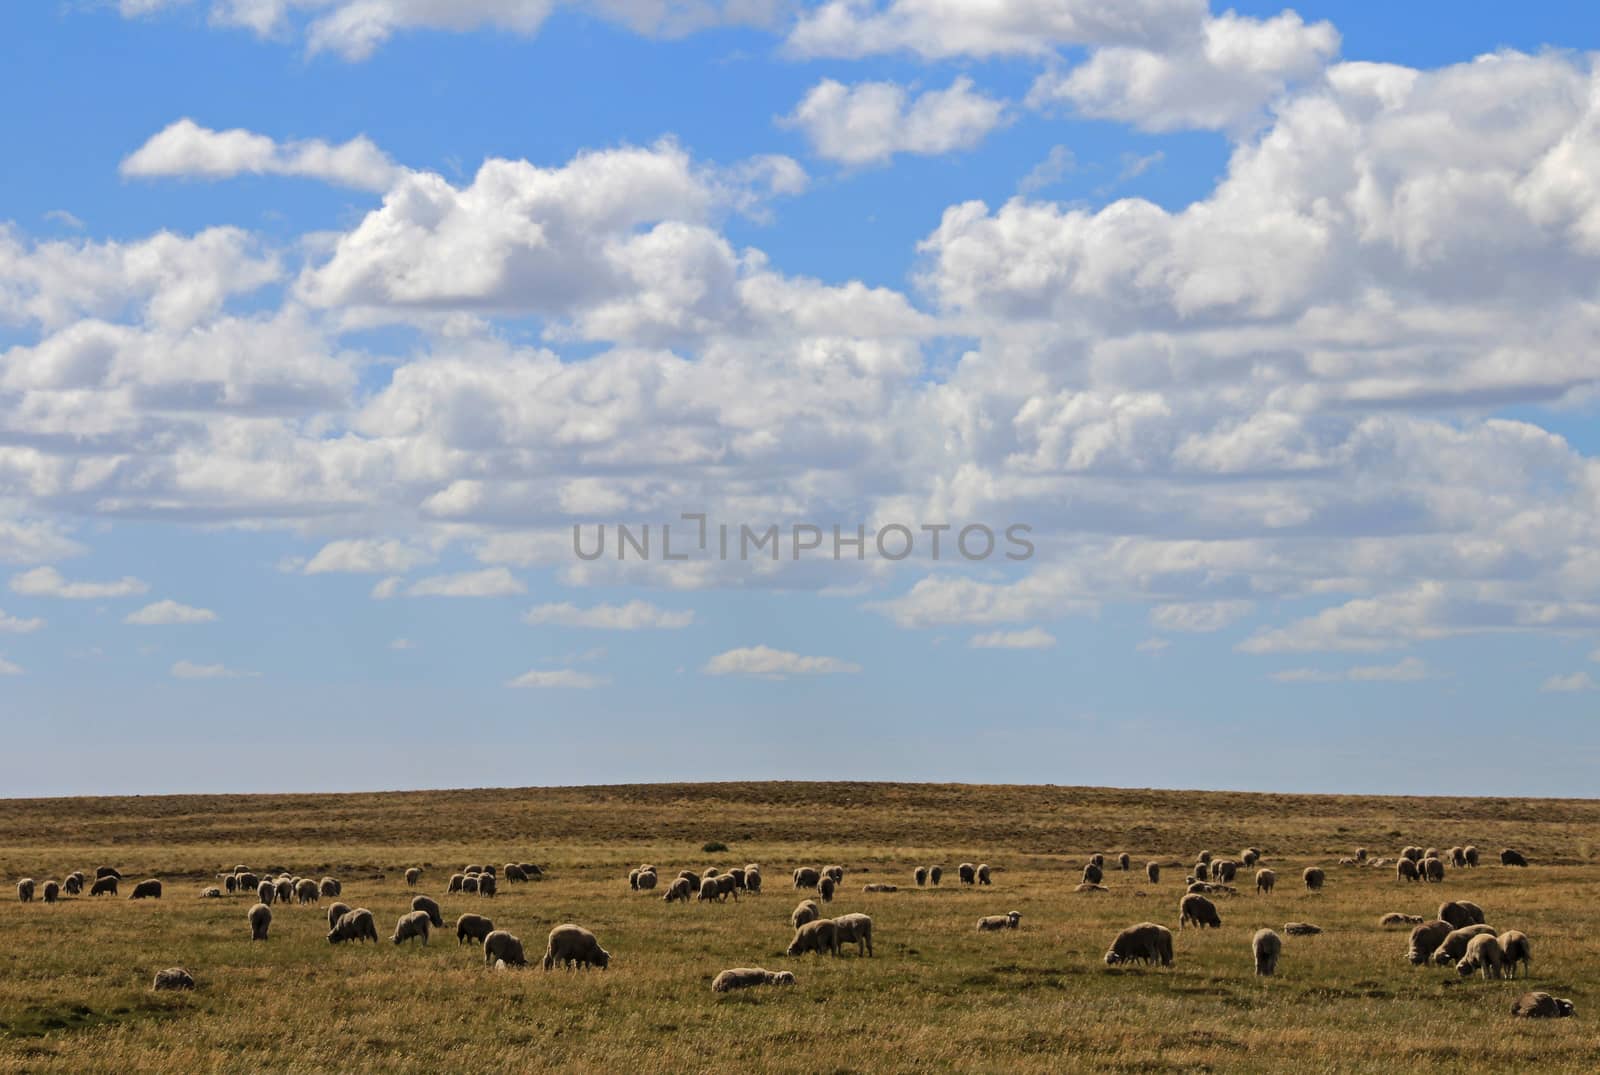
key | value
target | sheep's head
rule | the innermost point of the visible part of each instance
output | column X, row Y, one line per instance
column 1466, row 967
column 602, row 958
column 1112, row 959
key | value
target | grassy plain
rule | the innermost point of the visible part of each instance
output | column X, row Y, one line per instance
column 938, row 996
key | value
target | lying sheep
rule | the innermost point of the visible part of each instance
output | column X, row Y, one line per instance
column 745, row 977
column 1146, row 942
column 1432, row 870
column 807, row 911
column 1152, row 872
column 335, row 912
column 1483, row 955
column 430, row 908
column 307, row 891
column 500, row 945
column 1454, row 945
column 1092, row 874
column 413, row 875
column 935, row 874
column 1516, row 948
column 211, row 893
column 260, row 917
column 473, row 927
column 356, row 925
column 880, row 886
column 1198, row 911
column 807, row 877
column 411, row 925
column 983, row 873
column 1395, row 918
column 1087, row 887
column 172, row 978
column 819, row 937
column 1265, row 879
column 146, row 890
column 1540, row 1005
column 51, row 891
column 993, row 922
column 967, row 872
column 1508, row 857
column 679, row 891
column 857, row 928
column 1313, row 877
column 1266, row 946
column 1301, row 929
column 1406, row 870
column 571, row 945
column 1425, row 940
column 1460, row 913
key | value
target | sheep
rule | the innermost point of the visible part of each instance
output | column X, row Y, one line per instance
column 1470, row 853
column 457, row 880
column 983, row 873
column 993, row 922
column 1516, row 948
column 330, row 887
column 1152, row 872
column 825, row 889
column 51, row 891
column 1458, row 858
column 727, row 886
column 473, row 926
column 267, row 892
column 1406, row 870
column 335, row 912
column 1086, row 887
column 1202, row 871
column 107, row 871
column 920, row 875
column 935, row 874
column 514, row 873
column 1313, row 877
column 752, row 882
column 245, row 880
column 1425, row 940
column 805, row 911
column 1265, row 879
column 285, row 890
column 211, row 893
column 709, row 890
column 230, row 882
column 413, row 875
column 172, row 978
column 487, row 885
column 259, row 917
column 503, row 946
column 633, row 880
column 1395, row 918
column 738, row 874
column 807, row 877
column 1204, row 856
column 472, row 869
column 1301, row 929
column 678, row 891
column 1460, row 913
column 414, row 924
column 25, row 890
column 880, row 887
column 967, row 872
column 835, row 872
column 146, row 890
column 1540, row 1005
column 103, row 886
column 1431, row 853
column 711, row 871
column 307, row 891
column 469, row 884
column 1124, row 862
column 1454, row 945
column 745, row 977
column 1266, row 946
column 1199, row 911
column 857, row 928
column 1249, row 856
column 1509, row 857
column 1413, row 853
column 691, row 877
column 490, row 870
column 1224, row 869
column 1146, row 942
column 1098, row 859
column 819, row 936
column 571, row 945
column 1483, row 955
column 1432, row 870
column 1092, row 874
column 356, row 925
column 73, row 885
column 430, row 908
column 1361, row 854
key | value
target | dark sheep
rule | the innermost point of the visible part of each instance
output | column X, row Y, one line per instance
column 983, row 873
column 176, row 978
column 1198, row 911
column 456, row 881
column 1425, row 940
column 1152, row 872
column 825, row 889
column 1509, row 857
column 335, row 912
column 920, row 874
column 1092, row 874
column 1460, row 913
column 1470, row 853
column 107, row 871
column 1313, row 878
column 429, row 907
column 1406, row 870
column 1146, row 942
column 469, row 883
column 967, row 872
column 935, row 874
column 501, row 946
column 260, row 917
column 692, row 877
column 146, row 890
column 487, row 885
column 807, row 877
column 473, row 927
column 1432, row 870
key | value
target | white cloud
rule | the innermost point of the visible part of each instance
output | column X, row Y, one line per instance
column 1572, row 684
column 169, row 612
column 8, row 668
column 402, row 644
column 633, row 616
column 490, row 582
column 1199, row 616
column 18, row 625
column 1404, row 671
column 766, row 663
column 186, row 149
column 560, row 677
column 872, row 121
column 366, row 556
column 191, row 670
column 1152, row 645
column 1032, row 638
column 48, row 582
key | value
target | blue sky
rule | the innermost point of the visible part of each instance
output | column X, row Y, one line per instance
column 323, row 323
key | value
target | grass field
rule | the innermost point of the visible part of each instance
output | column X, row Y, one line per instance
column 75, row 992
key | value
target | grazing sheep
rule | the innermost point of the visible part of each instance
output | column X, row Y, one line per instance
column 835, row 872
column 807, row 877
column 356, row 925
column 691, row 877
column 1086, row 887
column 880, row 886
column 1146, row 942
column 1301, row 929
column 1460, row 913
column 1454, row 945
column 514, row 873
column 487, row 885
column 1195, row 909
column 1395, row 918
column 1249, row 856
column 51, row 891
column 711, row 871
column 993, row 922
column 1458, row 858
column 1432, row 870
column 1540, row 1005
column 172, row 978
column 752, row 882
column 1224, row 870
column 211, row 893
column 1092, row 874
column 1516, row 948
column 413, row 924
column 633, row 880
column 286, row 890
column 1204, row 856
column 1508, row 857
column 459, row 879
column 825, row 889
column 1406, row 870
column 469, row 884
column 430, row 908
column 1431, row 853
column 1202, row 871
column 968, row 873
column 1361, row 854
column 1425, row 940
column 1124, row 861
column 819, row 937
column 710, row 890
column 727, row 887
column 1266, row 946
column 745, row 977
column 983, row 873
column 25, row 890
column 935, row 874
column 267, row 892
column 330, row 887
column 246, row 881
column 260, row 917
column 490, row 870
column 73, row 885
column 1470, row 853
column 473, row 926
column 1313, row 878
column 1098, row 859
column 921, row 875
column 104, row 886
column 307, row 891
column 571, row 945
column 413, row 875
column 1152, row 872
column 857, row 928
column 1412, row 852
column 146, row 890
column 738, row 875
column 679, row 891
column 475, row 869
column 805, row 911
column 335, row 912
column 1265, row 879
column 503, row 946
column 1483, row 955
column 107, row 871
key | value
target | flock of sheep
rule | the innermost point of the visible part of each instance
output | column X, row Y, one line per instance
column 1458, row 934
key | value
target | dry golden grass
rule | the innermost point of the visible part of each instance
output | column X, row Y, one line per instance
column 938, row 995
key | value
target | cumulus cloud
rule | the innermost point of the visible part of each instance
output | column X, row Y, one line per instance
column 763, row 662
column 489, row 582
column 186, row 149
column 19, row 625
column 872, row 121
column 169, row 612
column 1199, row 616
column 1032, row 638
column 192, row 670
column 48, row 582
column 365, row 556
column 633, row 616
column 559, row 677
column 1570, row 684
